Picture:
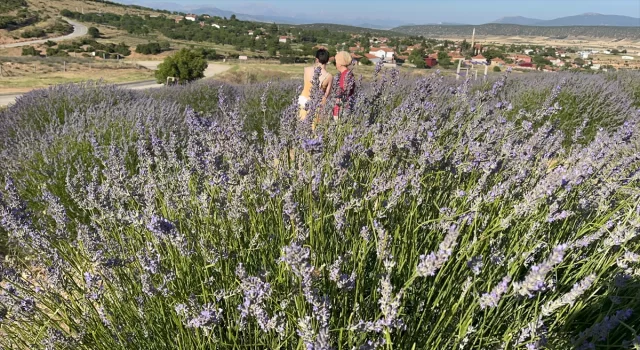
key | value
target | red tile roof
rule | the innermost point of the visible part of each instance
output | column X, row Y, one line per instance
column 370, row 56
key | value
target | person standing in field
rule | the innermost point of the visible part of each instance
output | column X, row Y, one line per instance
column 346, row 84
column 324, row 81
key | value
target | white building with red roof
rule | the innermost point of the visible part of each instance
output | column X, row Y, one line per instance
column 383, row 53
column 479, row 59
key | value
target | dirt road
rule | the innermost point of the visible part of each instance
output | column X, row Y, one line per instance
column 78, row 31
column 211, row 71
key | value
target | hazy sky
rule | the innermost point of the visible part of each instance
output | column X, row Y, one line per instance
column 419, row 11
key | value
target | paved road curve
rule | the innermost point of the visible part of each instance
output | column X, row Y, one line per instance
column 211, row 71
column 78, row 31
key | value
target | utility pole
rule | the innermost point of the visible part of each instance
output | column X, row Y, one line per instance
column 458, row 70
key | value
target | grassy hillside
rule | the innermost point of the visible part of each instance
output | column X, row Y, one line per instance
column 518, row 30
column 53, row 7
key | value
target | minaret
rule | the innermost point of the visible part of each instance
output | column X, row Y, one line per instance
column 473, row 42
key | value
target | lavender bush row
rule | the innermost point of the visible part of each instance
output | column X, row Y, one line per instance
column 433, row 215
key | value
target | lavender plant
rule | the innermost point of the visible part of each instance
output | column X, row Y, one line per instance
column 433, row 215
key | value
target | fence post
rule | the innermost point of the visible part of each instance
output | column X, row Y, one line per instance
column 65, row 65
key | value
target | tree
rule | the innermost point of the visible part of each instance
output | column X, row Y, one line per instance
column 185, row 65
column 496, row 69
column 579, row 61
column 417, row 58
column 149, row 49
column 444, row 60
column 93, row 32
column 273, row 29
column 365, row 61
column 123, row 49
column 50, row 43
column 493, row 53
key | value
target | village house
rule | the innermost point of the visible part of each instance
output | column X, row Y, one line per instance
column 498, row 62
column 430, row 62
column 216, row 25
column 455, row 56
column 283, row 39
column 179, row 19
column 627, row 58
column 355, row 49
column 202, row 24
column 479, row 59
column 191, row 17
column 250, row 33
column 384, row 53
column 557, row 62
column 373, row 58
column 206, row 16
column 413, row 47
column 521, row 59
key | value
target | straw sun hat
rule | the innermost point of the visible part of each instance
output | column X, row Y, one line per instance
column 343, row 58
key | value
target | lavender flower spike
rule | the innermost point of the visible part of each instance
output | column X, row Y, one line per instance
column 535, row 280
column 492, row 298
column 430, row 264
column 569, row 298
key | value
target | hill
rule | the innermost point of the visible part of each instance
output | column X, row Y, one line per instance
column 519, row 20
column 340, row 28
column 586, row 19
column 436, row 31
column 593, row 19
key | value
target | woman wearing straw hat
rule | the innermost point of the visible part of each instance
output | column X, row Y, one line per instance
column 324, row 81
column 346, row 83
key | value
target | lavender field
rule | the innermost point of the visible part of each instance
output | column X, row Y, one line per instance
column 436, row 214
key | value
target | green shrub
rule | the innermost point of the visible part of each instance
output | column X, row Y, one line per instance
column 33, row 33
column 30, row 51
column 186, row 65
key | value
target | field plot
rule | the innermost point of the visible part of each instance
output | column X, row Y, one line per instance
column 21, row 74
column 433, row 214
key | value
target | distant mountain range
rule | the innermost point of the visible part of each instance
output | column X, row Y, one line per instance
column 272, row 15
column 586, row 19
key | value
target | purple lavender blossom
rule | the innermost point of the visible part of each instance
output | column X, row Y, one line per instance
column 600, row 331
column 569, row 298
column 430, row 264
column 492, row 298
column 535, row 280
